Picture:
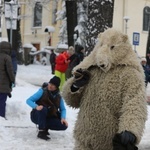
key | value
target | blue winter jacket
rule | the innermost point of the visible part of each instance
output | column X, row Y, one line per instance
column 31, row 101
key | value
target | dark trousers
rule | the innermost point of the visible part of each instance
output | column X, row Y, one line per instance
column 40, row 118
column 3, row 98
column 53, row 68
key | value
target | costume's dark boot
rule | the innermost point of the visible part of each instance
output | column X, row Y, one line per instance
column 43, row 135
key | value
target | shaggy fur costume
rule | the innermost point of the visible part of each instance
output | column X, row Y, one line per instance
column 114, row 100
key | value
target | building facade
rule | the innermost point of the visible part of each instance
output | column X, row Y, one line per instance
column 40, row 28
column 38, row 24
column 133, row 16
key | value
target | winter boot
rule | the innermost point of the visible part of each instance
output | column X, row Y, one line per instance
column 43, row 135
column 47, row 133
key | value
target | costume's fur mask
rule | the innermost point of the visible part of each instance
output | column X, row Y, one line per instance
column 112, row 49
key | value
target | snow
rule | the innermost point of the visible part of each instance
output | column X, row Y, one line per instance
column 62, row 46
column 49, row 47
column 28, row 45
column 40, row 51
column 22, row 133
column 49, row 29
column 3, row 38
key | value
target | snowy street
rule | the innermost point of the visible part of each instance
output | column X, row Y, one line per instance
column 19, row 133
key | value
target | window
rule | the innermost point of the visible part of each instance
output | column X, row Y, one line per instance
column 146, row 18
column 54, row 11
column 37, row 20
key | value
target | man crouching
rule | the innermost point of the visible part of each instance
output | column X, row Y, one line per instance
column 48, row 111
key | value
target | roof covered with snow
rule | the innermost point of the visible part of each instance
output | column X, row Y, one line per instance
column 62, row 46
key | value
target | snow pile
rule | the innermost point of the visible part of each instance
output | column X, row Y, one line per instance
column 19, row 133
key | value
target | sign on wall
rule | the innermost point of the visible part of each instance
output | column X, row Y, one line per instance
column 136, row 38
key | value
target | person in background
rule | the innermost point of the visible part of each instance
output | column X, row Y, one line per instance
column 146, row 70
column 44, row 59
column 80, row 53
column 49, row 111
column 7, row 78
column 52, row 61
column 73, row 62
column 14, row 63
column 62, row 61
column 148, row 58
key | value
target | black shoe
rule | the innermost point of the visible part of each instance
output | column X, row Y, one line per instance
column 43, row 135
column 47, row 133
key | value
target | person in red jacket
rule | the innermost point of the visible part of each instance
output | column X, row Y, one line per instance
column 62, row 61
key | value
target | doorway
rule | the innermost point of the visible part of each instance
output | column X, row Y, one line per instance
column 37, row 46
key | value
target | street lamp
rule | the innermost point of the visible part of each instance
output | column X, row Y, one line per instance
column 126, row 18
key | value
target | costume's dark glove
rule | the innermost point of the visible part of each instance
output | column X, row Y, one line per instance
column 120, row 144
column 81, row 78
column 127, row 137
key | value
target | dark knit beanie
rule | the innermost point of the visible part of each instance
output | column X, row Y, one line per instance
column 79, row 48
column 55, row 80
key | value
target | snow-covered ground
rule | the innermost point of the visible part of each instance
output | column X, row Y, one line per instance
column 19, row 133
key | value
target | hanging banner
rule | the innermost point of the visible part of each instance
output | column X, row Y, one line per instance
column 11, row 11
column 11, row 14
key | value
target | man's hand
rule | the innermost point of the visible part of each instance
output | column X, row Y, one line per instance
column 40, row 107
column 63, row 121
column 12, row 85
column 9, row 95
column 81, row 77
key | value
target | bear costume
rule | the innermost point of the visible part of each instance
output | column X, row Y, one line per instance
column 108, row 87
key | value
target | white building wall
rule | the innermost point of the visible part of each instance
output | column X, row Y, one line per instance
column 35, row 35
column 118, row 15
column 41, row 37
column 134, row 10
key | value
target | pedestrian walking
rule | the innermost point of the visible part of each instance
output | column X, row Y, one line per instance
column 7, row 78
column 14, row 63
column 52, row 61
